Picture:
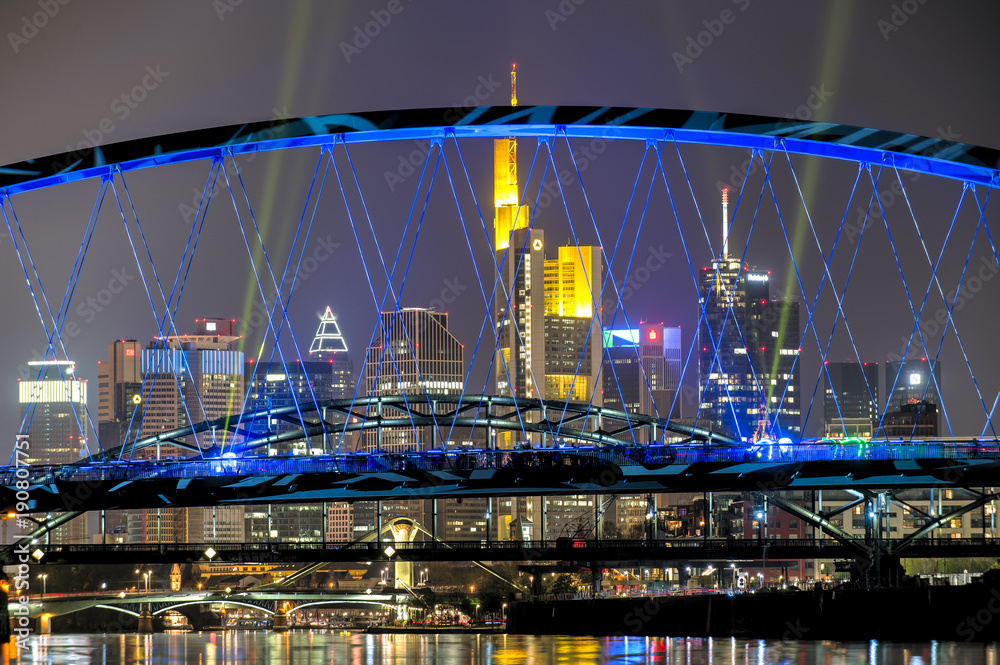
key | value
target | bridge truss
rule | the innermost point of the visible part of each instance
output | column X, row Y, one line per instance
column 937, row 267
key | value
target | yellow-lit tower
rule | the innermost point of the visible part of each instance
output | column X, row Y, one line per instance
column 509, row 215
column 520, row 254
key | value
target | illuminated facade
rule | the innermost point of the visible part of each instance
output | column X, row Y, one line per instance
column 53, row 413
column 912, row 381
column 326, row 375
column 642, row 371
column 413, row 354
column 184, row 379
column 572, row 330
column 748, row 345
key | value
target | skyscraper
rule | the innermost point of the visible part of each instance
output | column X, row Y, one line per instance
column 642, row 370
column 913, row 404
column 572, row 325
column 53, row 410
column 910, row 382
column 748, row 345
column 181, row 380
column 325, row 375
column 520, row 363
column 414, row 354
column 850, row 400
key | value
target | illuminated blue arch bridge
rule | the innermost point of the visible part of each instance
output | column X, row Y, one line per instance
column 577, row 445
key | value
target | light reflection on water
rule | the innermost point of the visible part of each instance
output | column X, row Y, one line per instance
column 306, row 648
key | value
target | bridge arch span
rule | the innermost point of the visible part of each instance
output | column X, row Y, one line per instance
column 211, row 601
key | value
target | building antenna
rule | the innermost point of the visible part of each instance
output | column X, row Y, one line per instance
column 513, row 84
column 725, row 222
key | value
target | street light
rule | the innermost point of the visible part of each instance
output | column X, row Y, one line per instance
column 44, row 578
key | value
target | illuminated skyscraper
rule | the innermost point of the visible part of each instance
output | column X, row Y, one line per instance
column 188, row 379
column 413, row 354
column 573, row 345
column 913, row 404
column 325, row 375
column 53, row 410
column 642, row 370
column 748, row 346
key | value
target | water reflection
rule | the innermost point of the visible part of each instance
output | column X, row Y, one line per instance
column 320, row 647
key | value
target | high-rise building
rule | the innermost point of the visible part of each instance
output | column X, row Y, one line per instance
column 850, row 399
column 913, row 404
column 53, row 411
column 748, row 345
column 519, row 303
column 326, row 375
column 180, row 380
column 520, row 362
column 572, row 325
column 910, row 382
column 642, row 370
column 415, row 354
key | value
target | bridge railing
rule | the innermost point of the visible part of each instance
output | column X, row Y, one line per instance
column 469, row 460
column 560, row 545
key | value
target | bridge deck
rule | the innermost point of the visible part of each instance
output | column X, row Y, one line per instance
column 550, row 471
column 604, row 551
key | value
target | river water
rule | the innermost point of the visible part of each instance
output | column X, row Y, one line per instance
column 319, row 647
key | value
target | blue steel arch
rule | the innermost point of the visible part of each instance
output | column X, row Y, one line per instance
column 908, row 152
column 555, row 420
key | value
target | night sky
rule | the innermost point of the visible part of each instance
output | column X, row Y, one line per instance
column 110, row 72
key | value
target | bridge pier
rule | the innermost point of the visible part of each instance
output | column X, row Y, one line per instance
column 145, row 622
column 596, row 577
column 45, row 624
column 402, row 571
column 280, row 621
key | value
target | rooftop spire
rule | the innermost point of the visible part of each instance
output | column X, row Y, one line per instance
column 328, row 338
column 725, row 222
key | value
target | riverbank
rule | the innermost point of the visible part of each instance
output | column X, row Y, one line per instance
column 438, row 630
column 964, row 614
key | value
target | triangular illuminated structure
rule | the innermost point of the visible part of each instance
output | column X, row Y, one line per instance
column 328, row 338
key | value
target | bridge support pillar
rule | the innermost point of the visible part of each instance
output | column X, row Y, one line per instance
column 402, row 571
column 145, row 622
column 596, row 577
column 280, row 621
column 45, row 624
